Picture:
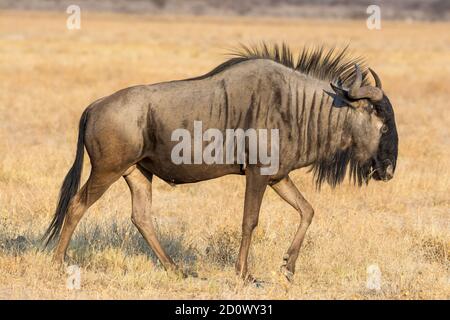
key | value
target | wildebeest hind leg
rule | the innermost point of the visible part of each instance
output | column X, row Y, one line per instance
column 287, row 190
column 92, row 190
column 140, row 182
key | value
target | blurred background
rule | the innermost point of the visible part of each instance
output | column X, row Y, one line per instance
column 399, row 9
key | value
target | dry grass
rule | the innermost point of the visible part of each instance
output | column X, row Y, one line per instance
column 48, row 75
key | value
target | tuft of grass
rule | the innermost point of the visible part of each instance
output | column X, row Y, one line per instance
column 222, row 248
column 436, row 250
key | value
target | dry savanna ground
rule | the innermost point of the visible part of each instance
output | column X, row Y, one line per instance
column 49, row 74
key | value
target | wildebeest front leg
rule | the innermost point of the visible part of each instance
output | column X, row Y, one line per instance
column 289, row 192
column 140, row 185
column 254, row 191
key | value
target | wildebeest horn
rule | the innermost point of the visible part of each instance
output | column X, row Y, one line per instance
column 377, row 78
column 369, row 92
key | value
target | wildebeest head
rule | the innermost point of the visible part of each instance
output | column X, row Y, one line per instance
column 374, row 132
column 385, row 160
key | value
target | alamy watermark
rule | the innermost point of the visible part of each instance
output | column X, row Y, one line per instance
column 373, row 278
column 74, row 19
column 73, row 281
column 231, row 149
column 373, row 22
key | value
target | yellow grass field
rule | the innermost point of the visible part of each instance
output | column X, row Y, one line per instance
column 49, row 74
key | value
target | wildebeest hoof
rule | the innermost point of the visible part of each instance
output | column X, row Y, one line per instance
column 258, row 283
column 247, row 279
column 192, row 274
column 250, row 280
column 285, row 259
column 177, row 273
column 181, row 274
column 59, row 262
column 288, row 274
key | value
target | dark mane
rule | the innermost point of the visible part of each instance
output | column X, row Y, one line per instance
column 330, row 64
column 334, row 169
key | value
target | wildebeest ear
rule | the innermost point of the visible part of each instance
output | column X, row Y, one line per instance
column 339, row 91
column 339, row 101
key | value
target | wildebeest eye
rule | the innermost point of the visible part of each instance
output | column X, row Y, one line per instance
column 384, row 128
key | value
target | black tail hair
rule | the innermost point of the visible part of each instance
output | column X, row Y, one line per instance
column 69, row 187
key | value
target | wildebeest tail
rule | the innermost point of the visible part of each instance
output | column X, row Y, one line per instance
column 69, row 187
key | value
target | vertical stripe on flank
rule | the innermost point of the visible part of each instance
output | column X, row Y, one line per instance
column 301, row 133
column 310, row 128
column 319, row 127
column 225, row 102
column 297, row 98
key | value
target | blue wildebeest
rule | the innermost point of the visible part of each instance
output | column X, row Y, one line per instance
column 328, row 115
